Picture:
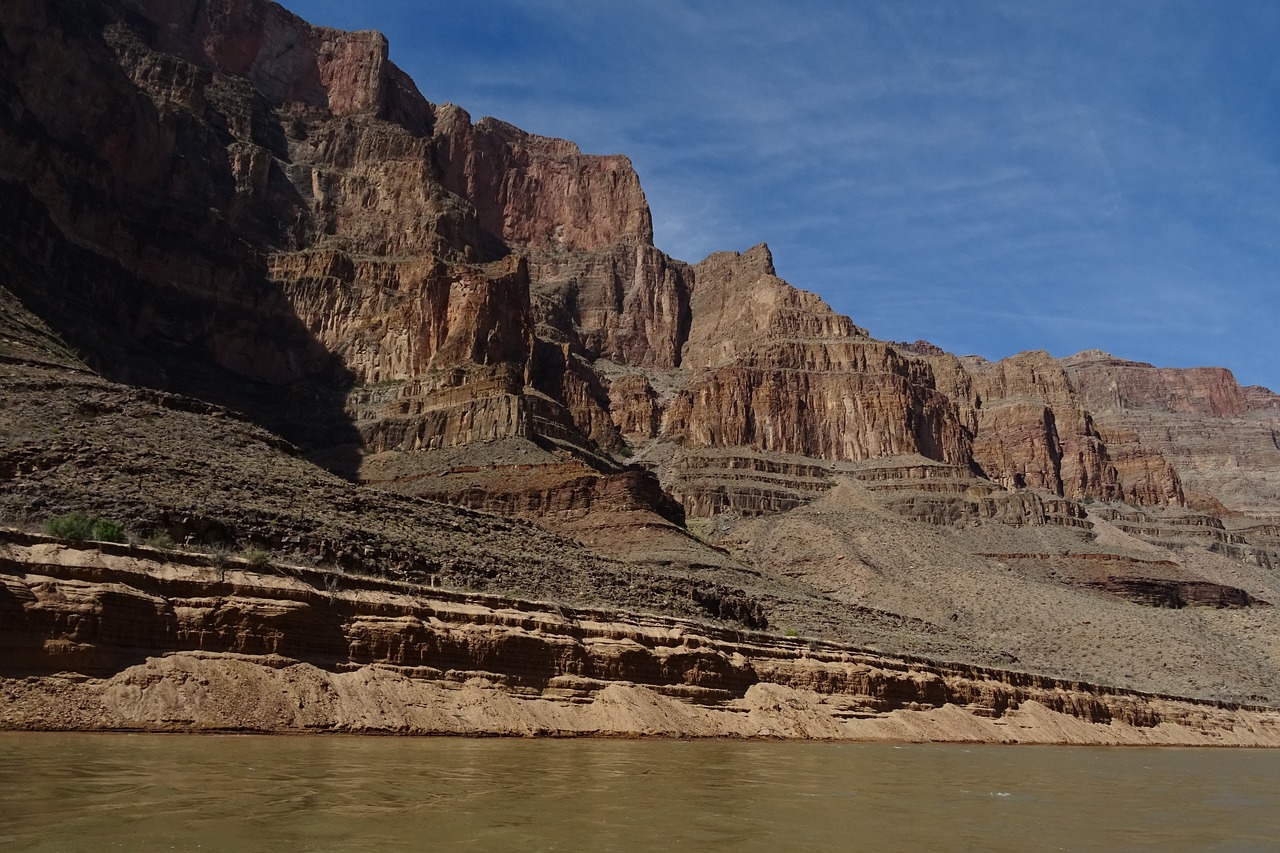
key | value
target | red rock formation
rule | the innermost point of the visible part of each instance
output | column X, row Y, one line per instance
column 1107, row 383
column 629, row 304
column 285, row 59
column 215, row 198
column 1145, row 475
column 633, row 404
column 774, row 369
column 861, row 404
column 738, row 301
column 1032, row 428
column 537, row 192
column 1196, row 427
column 1259, row 399
column 1033, row 431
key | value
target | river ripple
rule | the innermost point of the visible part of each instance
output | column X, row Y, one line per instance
column 71, row 792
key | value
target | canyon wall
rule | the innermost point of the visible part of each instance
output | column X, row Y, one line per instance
column 217, row 198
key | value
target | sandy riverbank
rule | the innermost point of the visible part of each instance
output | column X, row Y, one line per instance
column 121, row 638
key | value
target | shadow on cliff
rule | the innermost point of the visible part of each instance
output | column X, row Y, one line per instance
column 225, row 334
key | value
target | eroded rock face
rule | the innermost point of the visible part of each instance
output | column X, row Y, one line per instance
column 212, row 197
column 285, row 59
column 156, row 646
column 1108, row 383
column 538, row 192
column 773, row 369
column 1197, row 425
column 1259, row 399
column 1034, row 431
column 343, row 261
column 738, row 300
column 629, row 304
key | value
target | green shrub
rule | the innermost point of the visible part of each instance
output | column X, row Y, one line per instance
column 258, row 558
column 79, row 527
column 74, row 525
column 107, row 531
column 160, row 539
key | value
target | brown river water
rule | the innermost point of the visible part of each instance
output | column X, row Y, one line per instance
column 70, row 792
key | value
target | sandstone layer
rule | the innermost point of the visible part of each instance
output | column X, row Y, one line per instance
column 124, row 639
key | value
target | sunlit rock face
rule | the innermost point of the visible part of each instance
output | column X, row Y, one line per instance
column 1218, row 438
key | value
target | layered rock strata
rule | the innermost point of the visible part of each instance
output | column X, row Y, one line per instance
column 1219, row 439
column 365, row 258
column 97, row 640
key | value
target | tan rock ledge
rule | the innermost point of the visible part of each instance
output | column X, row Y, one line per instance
column 136, row 639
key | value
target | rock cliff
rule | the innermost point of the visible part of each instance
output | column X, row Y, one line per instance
column 1219, row 439
column 368, row 259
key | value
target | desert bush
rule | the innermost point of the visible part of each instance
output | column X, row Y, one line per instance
column 79, row 527
column 107, row 531
column 73, row 525
column 258, row 558
column 160, row 539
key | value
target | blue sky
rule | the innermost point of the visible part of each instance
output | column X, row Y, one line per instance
column 989, row 176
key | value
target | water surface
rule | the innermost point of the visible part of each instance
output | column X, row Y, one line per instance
column 68, row 792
